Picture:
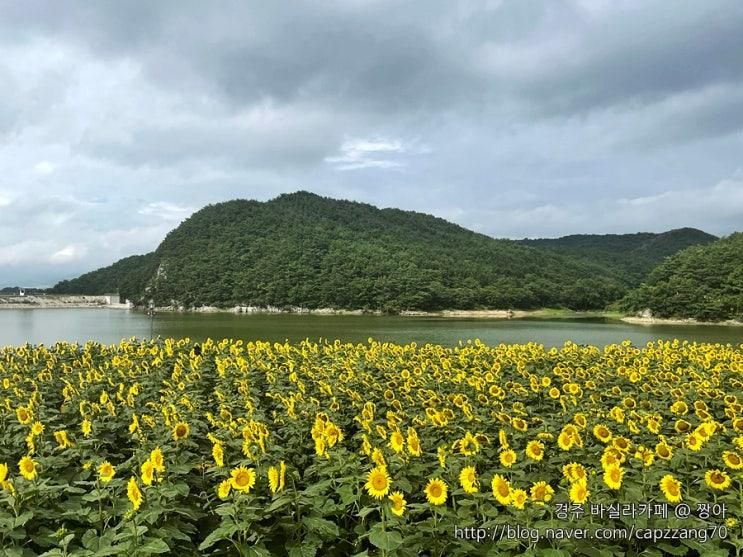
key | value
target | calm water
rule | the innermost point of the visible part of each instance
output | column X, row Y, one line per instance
column 110, row 326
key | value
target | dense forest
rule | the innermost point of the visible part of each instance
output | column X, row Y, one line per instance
column 631, row 256
column 700, row 282
column 128, row 276
column 305, row 250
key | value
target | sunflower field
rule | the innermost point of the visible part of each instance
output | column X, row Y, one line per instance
column 333, row 449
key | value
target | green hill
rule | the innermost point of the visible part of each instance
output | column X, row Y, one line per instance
column 305, row 250
column 701, row 282
column 128, row 276
column 308, row 251
column 630, row 256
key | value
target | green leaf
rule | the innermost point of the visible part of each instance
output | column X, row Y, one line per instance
column 673, row 550
column 321, row 526
column 387, row 540
column 224, row 532
column 550, row 552
column 298, row 549
column 23, row 518
column 153, row 546
column 366, row 511
column 257, row 551
column 279, row 502
column 715, row 553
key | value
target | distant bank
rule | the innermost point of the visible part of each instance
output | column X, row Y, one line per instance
column 50, row 301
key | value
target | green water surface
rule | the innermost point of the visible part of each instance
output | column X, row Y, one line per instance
column 110, row 326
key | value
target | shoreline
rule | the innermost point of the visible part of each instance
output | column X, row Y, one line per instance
column 95, row 302
column 495, row 314
column 59, row 301
column 650, row 321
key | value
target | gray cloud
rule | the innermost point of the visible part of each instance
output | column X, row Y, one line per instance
column 528, row 118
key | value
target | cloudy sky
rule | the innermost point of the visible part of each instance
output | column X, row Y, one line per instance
column 515, row 118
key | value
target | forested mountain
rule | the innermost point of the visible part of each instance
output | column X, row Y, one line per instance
column 631, row 256
column 309, row 251
column 702, row 282
column 305, row 250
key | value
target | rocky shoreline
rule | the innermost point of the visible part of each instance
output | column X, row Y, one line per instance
column 71, row 302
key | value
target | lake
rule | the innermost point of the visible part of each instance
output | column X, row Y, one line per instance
column 111, row 325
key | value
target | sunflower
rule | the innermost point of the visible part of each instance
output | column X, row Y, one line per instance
column 653, row 425
column 436, row 491
column 398, row 503
column 157, row 459
column 282, row 475
column 664, row 451
column 541, row 493
column 242, row 479
column 414, row 444
column 181, row 431
column 503, row 439
column 23, row 415
column 397, row 441
column 574, row 472
column 276, row 477
column 441, row 455
column 519, row 498
column 579, row 492
column 621, row 444
column 694, row 442
column 565, row 440
column 148, row 472
column 646, row 455
column 501, row 489
column 223, row 490
column 333, row 434
column 106, row 471
column 37, row 428
column 732, row 460
column 378, row 458
column 378, row 482
column 218, row 454
column 62, row 440
column 613, row 475
column 3, row 472
column 671, row 488
column 133, row 493
column 580, row 420
column 535, row 450
column 469, row 445
column 468, row 479
column 86, row 427
column 602, row 433
column 717, row 479
column 27, row 466
column 507, row 457
column 366, row 446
